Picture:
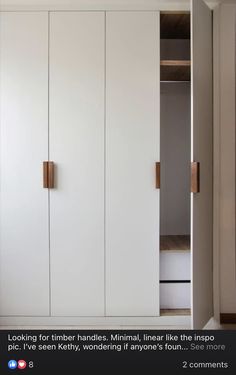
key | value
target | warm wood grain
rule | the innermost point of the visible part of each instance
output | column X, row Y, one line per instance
column 45, row 174
column 195, row 177
column 175, row 70
column 172, row 312
column 50, row 174
column 175, row 242
column 158, row 175
column 175, row 62
column 175, row 25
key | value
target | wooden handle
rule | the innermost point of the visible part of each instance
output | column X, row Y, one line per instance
column 195, row 177
column 45, row 174
column 48, row 174
column 158, row 175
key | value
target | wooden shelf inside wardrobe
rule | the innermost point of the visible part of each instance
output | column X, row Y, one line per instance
column 174, row 312
column 175, row 243
column 175, row 70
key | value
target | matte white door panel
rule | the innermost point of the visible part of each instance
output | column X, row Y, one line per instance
column 202, row 134
column 77, row 148
column 24, row 247
column 132, row 148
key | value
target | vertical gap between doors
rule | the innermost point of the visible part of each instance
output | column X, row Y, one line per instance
column 49, row 211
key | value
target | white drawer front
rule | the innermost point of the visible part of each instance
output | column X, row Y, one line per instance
column 175, row 265
column 175, row 296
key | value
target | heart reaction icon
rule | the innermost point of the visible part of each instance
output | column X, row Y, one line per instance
column 21, row 364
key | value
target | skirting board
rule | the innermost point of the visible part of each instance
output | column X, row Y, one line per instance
column 170, row 321
column 228, row 318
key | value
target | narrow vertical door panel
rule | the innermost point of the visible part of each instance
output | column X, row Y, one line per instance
column 201, row 127
column 77, row 149
column 24, row 249
column 132, row 150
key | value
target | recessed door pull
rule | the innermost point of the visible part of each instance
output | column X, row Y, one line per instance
column 195, row 177
column 48, row 174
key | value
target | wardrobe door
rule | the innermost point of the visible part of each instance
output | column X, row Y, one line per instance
column 77, row 148
column 24, row 249
column 132, row 149
column 201, row 127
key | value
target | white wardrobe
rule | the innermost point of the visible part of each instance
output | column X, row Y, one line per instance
column 80, row 152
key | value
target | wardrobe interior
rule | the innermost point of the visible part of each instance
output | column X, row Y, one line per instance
column 175, row 156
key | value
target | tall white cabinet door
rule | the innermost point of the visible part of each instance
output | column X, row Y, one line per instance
column 77, row 148
column 24, row 248
column 132, row 148
column 202, row 149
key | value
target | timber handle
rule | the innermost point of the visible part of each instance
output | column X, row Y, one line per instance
column 158, row 175
column 48, row 174
column 195, row 177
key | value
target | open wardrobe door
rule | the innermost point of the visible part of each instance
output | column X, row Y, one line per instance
column 201, row 167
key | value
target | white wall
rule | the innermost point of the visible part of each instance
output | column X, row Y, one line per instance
column 175, row 158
